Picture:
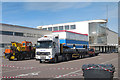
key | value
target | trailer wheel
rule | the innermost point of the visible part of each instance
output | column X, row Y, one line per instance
column 81, row 56
column 68, row 57
column 63, row 57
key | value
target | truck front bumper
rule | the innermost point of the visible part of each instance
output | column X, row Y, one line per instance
column 44, row 58
column 47, row 60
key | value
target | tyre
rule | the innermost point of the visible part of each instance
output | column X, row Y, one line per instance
column 81, row 56
column 96, row 54
column 63, row 57
column 90, row 55
column 68, row 57
column 40, row 61
column 31, row 55
column 10, row 59
column 55, row 59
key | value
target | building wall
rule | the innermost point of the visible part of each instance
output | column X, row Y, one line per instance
column 81, row 26
column 28, row 34
column 112, row 38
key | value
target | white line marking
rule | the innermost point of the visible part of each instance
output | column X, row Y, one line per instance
column 81, row 69
column 68, row 73
column 34, row 73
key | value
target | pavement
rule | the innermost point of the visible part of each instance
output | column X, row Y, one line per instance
column 67, row 69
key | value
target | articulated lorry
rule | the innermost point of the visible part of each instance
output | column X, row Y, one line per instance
column 61, row 46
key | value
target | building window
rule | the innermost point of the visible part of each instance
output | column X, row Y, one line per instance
column 50, row 28
column 55, row 28
column 44, row 28
column 60, row 27
column 6, row 32
column 67, row 27
column 18, row 34
column 5, row 45
column 72, row 27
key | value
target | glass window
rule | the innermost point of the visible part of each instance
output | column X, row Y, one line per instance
column 5, row 45
column 67, row 27
column 55, row 28
column 23, row 44
column 44, row 44
column 44, row 28
column 50, row 28
column 18, row 34
column 2, row 45
column 6, row 32
column 73, row 27
column 60, row 27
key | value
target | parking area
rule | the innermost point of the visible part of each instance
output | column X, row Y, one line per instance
column 67, row 69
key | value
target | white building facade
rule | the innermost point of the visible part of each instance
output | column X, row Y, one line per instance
column 14, row 33
column 100, row 36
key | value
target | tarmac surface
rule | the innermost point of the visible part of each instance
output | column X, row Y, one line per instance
column 67, row 69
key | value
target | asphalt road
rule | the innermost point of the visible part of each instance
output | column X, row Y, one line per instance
column 68, row 69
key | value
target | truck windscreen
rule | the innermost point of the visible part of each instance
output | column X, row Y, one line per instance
column 44, row 44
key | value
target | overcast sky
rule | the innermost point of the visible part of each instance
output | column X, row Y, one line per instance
column 32, row 14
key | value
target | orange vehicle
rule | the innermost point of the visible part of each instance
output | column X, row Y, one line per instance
column 20, row 51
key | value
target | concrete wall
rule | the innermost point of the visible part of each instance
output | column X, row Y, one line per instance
column 112, row 38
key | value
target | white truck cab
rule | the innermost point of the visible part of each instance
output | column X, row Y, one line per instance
column 47, row 47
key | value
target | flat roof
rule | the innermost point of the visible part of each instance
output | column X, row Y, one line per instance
column 21, row 26
column 89, row 21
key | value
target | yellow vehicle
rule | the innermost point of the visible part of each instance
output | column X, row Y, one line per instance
column 20, row 51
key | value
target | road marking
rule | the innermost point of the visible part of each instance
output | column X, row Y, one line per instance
column 81, row 70
column 17, row 70
column 29, row 74
column 68, row 73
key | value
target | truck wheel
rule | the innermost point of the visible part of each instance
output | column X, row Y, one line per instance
column 55, row 59
column 40, row 61
column 96, row 54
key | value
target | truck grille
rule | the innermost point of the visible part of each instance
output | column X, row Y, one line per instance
column 43, row 53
